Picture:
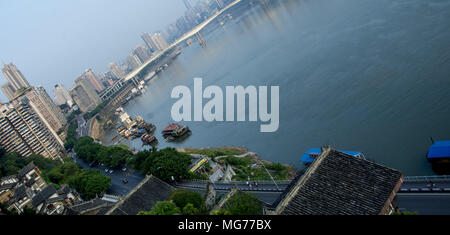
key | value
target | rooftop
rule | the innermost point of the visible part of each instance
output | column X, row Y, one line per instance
column 142, row 197
column 439, row 149
column 336, row 184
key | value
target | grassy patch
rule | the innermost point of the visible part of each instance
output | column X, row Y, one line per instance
column 216, row 152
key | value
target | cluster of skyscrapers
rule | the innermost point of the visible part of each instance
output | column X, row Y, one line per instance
column 31, row 122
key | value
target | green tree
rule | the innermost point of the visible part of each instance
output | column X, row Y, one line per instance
column 243, row 204
column 90, row 183
column 64, row 172
column 10, row 163
column 167, row 163
column 189, row 209
column 162, row 208
column 182, row 197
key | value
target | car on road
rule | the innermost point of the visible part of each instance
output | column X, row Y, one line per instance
column 111, row 171
column 124, row 169
column 106, row 170
column 125, row 181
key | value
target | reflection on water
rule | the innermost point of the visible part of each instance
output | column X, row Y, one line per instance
column 369, row 76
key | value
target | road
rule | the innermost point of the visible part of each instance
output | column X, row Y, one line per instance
column 117, row 188
column 267, row 197
column 262, row 186
column 424, row 203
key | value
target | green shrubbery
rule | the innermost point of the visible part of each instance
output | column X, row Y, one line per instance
column 181, row 202
column 241, row 204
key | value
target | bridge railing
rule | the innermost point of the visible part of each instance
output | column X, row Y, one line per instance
column 427, row 178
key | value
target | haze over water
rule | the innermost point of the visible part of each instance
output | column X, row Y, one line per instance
column 362, row 75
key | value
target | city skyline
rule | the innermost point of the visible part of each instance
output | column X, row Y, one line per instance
column 62, row 55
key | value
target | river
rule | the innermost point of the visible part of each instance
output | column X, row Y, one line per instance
column 362, row 75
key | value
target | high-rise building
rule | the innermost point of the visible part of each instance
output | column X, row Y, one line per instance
column 133, row 61
column 155, row 41
column 50, row 114
column 84, row 95
column 90, row 76
column 8, row 90
column 22, row 131
column 187, row 4
column 62, row 96
column 116, row 71
column 148, row 41
column 15, row 77
column 142, row 53
column 220, row 4
column 159, row 41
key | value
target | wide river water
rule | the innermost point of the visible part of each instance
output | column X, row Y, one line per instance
column 362, row 75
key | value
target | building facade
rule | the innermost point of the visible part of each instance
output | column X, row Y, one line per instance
column 22, row 131
column 155, row 42
column 116, row 71
column 8, row 90
column 62, row 96
column 133, row 61
column 15, row 77
column 46, row 109
column 84, row 95
column 142, row 53
column 90, row 76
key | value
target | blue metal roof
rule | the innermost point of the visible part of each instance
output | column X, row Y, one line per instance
column 440, row 149
column 306, row 158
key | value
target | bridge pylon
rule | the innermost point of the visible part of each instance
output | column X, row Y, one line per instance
column 200, row 39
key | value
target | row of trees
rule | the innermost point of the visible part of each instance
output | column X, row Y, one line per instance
column 164, row 164
column 191, row 203
column 112, row 156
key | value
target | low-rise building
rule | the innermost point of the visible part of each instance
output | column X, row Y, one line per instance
column 28, row 189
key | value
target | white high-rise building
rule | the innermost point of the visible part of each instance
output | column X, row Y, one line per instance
column 15, row 77
column 116, row 71
column 62, row 96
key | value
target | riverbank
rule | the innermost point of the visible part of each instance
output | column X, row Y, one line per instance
column 239, row 164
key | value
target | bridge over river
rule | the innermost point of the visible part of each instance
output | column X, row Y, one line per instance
column 117, row 87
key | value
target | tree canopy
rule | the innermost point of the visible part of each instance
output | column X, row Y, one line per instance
column 242, row 204
column 182, row 197
column 90, row 183
column 111, row 156
column 162, row 208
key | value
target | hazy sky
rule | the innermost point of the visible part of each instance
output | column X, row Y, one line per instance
column 54, row 41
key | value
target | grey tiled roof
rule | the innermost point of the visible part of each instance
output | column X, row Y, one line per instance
column 20, row 192
column 7, row 186
column 337, row 184
column 43, row 195
column 143, row 197
column 83, row 207
column 25, row 170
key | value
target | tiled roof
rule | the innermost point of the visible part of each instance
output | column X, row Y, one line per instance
column 7, row 186
column 142, row 197
column 25, row 170
column 84, row 207
column 337, row 184
column 43, row 195
column 20, row 192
